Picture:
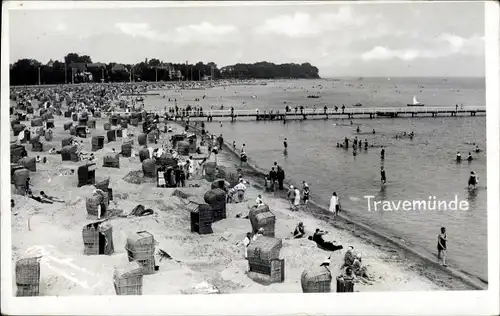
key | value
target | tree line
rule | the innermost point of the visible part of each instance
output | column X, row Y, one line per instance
column 77, row 68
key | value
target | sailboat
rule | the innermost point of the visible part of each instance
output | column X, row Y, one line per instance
column 415, row 102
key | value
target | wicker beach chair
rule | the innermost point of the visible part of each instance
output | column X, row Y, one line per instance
column 316, row 280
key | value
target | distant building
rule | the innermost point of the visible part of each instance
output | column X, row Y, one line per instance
column 119, row 67
column 78, row 67
column 96, row 65
column 227, row 69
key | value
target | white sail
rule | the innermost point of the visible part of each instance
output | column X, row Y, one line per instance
column 415, row 100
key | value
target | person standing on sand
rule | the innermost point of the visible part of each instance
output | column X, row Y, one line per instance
column 305, row 194
column 382, row 153
column 296, row 201
column 441, row 246
column 273, row 177
column 220, row 139
column 334, row 204
column 243, row 149
column 246, row 243
column 281, row 177
column 285, row 144
column 234, row 145
column 291, row 196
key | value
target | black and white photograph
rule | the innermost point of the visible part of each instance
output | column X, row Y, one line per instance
column 328, row 151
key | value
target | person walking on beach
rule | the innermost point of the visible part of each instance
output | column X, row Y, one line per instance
column 382, row 153
column 234, row 145
column 334, row 204
column 382, row 175
column 459, row 157
column 243, row 148
column 441, row 246
column 285, row 144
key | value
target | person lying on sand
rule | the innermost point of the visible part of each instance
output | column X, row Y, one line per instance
column 299, row 231
column 50, row 198
column 326, row 245
column 39, row 199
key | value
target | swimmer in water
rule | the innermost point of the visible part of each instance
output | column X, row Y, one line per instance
column 373, row 131
column 469, row 157
column 382, row 175
column 459, row 157
column 477, row 149
column 473, row 180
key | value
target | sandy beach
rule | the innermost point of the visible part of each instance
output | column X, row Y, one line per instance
column 198, row 261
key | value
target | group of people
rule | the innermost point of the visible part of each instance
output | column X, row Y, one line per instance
column 276, row 177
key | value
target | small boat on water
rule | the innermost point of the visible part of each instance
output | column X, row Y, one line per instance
column 415, row 102
column 313, row 96
column 357, row 104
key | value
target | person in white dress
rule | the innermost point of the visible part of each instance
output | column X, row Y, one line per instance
column 246, row 243
column 296, row 201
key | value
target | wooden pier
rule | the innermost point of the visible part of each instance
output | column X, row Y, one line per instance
column 348, row 113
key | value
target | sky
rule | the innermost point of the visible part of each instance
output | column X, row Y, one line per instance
column 391, row 39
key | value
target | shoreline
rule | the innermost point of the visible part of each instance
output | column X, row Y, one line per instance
column 215, row 259
column 449, row 277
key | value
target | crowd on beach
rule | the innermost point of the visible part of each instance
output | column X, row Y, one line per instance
column 94, row 100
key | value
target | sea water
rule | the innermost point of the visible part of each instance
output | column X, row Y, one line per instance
column 416, row 169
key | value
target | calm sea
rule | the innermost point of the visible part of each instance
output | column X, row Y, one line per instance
column 416, row 169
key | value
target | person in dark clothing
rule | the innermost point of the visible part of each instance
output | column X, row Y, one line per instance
column 38, row 199
column 220, row 140
column 382, row 153
column 441, row 246
column 285, row 144
column 28, row 185
column 50, row 198
column 177, row 172
column 273, row 176
column 382, row 175
column 299, row 231
column 327, row 245
column 280, row 175
column 182, row 177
